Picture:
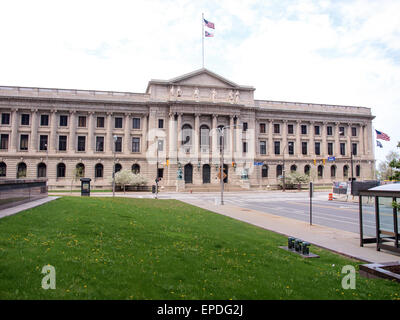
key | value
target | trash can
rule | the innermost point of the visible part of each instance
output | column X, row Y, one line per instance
column 85, row 187
column 153, row 189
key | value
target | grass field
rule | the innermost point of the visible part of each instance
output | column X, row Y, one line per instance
column 104, row 248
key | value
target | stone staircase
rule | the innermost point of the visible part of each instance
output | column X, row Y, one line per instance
column 206, row 188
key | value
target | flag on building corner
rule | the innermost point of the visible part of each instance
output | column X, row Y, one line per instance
column 209, row 24
column 379, row 144
column 208, row 34
column 382, row 136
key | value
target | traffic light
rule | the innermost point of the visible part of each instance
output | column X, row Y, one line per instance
column 323, row 161
column 315, row 162
column 233, row 165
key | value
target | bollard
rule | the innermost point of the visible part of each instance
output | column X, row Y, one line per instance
column 297, row 245
column 305, row 248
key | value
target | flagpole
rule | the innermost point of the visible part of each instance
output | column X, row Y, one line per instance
column 202, row 36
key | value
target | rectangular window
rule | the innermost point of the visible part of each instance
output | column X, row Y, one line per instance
column 354, row 131
column 136, row 123
column 317, row 130
column 330, row 148
column 63, row 121
column 263, row 147
column 44, row 120
column 354, row 149
column 291, row 147
column 341, row 131
column 81, row 143
column 62, row 143
column 343, row 149
column 329, row 130
column 244, row 147
column 244, row 126
column 290, row 129
column 100, row 122
column 82, row 121
column 118, row 123
column 303, row 129
column 24, row 142
column 304, row 148
column 118, row 144
column 25, row 119
column 135, row 144
column 160, row 123
column 262, row 127
column 43, row 142
column 277, row 147
column 4, row 141
column 99, row 144
column 277, row 128
column 5, row 118
column 317, row 148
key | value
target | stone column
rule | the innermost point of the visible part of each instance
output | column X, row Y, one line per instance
column 178, row 134
column 324, row 145
column 361, row 139
column 231, row 135
column 72, row 131
column 91, row 132
column 172, row 137
column 349, row 146
column 270, row 138
column 14, row 131
column 144, row 133
column 34, row 132
column 312, row 139
column 336, row 149
column 53, row 131
column 285, row 147
column 196, row 135
column 298, row 138
column 127, row 133
column 109, row 134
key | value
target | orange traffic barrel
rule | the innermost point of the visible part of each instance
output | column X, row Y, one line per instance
column 330, row 196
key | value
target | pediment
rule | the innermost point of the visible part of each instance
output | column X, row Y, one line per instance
column 203, row 77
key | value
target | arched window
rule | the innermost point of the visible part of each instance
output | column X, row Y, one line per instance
column 135, row 168
column 118, row 167
column 264, row 171
column 278, row 170
column 333, row 171
column 3, row 169
column 21, row 170
column 293, row 168
column 41, row 170
column 345, row 171
column 358, row 170
column 61, row 170
column 307, row 169
column 187, row 135
column 80, row 170
column 320, row 171
column 204, row 138
column 98, row 171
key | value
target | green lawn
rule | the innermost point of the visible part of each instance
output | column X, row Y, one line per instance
column 104, row 248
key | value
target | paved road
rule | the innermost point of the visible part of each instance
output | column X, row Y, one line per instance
column 334, row 214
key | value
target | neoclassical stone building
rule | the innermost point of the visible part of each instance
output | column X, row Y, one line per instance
column 179, row 123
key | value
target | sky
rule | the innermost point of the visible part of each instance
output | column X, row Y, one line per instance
column 332, row 52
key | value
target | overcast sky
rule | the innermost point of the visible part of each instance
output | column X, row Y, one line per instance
column 332, row 52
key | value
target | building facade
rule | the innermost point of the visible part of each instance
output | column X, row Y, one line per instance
column 179, row 126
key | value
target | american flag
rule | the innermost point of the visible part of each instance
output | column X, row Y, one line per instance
column 209, row 24
column 382, row 136
column 208, row 34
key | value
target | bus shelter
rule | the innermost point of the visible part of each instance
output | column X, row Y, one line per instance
column 378, row 217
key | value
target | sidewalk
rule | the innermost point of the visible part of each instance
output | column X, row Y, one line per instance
column 25, row 206
column 343, row 242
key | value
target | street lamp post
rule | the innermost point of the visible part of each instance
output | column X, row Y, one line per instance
column 113, row 186
column 221, row 165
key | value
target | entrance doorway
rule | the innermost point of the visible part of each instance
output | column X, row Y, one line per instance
column 206, row 173
column 188, row 173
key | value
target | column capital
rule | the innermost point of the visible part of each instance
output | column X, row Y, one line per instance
column 298, row 121
column 284, row 121
column 90, row 113
column 128, row 114
column 337, row 123
column 197, row 114
column 71, row 111
column 270, row 120
column 34, row 110
column 53, row 110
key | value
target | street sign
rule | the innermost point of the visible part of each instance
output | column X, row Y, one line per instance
column 331, row 158
column 258, row 163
